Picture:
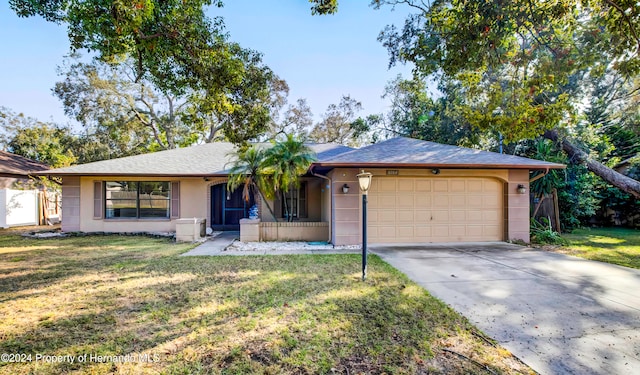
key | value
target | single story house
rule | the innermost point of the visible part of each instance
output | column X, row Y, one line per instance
column 420, row 192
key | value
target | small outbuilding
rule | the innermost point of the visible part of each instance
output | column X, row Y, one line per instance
column 23, row 201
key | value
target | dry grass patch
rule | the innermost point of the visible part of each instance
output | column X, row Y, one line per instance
column 133, row 297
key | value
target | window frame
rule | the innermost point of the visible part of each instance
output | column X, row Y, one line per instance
column 301, row 202
column 138, row 200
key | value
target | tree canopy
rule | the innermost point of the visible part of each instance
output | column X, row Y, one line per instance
column 336, row 124
column 44, row 142
column 174, row 46
column 524, row 68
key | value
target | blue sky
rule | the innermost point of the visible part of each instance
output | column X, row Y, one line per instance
column 320, row 57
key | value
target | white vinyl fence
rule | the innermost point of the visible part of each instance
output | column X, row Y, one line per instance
column 18, row 207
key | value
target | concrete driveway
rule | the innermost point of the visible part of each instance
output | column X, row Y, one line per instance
column 558, row 314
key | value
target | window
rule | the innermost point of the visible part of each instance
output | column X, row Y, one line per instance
column 137, row 199
column 296, row 202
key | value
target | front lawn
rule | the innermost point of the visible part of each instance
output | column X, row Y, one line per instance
column 130, row 305
column 612, row 245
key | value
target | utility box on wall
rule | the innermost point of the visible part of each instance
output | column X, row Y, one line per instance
column 190, row 230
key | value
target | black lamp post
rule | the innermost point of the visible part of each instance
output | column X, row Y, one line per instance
column 364, row 179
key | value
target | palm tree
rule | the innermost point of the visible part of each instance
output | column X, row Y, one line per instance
column 248, row 170
column 286, row 161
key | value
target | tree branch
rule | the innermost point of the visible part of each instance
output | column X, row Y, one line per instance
column 613, row 177
column 629, row 22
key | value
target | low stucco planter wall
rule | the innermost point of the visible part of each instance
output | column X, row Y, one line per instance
column 190, row 230
column 250, row 230
column 296, row 231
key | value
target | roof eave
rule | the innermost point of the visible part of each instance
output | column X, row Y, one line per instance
column 26, row 174
column 441, row 165
column 80, row 174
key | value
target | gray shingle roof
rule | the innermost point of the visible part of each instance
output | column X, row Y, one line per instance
column 409, row 152
column 18, row 166
column 209, row 159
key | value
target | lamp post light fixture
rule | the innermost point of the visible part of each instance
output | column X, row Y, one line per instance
column 364, row 180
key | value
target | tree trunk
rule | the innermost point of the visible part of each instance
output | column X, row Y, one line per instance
column 616, row 179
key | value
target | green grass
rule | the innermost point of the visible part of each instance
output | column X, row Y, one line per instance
column 612, row 245
column 302, row 314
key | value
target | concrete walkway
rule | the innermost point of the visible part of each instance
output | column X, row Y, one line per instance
column 559, row 314
column 215, row 245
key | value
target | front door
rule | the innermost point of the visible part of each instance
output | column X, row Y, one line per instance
column 227, row 208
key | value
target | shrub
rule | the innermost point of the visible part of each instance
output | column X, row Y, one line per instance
column 542, row 233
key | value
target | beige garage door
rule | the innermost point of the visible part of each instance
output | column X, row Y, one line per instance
column 405, row 210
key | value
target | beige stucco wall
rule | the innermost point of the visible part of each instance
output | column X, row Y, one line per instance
column 193, row 197
column 296, row 231
column 347, row 214
column 345, row 208
column 324, row 203
column 516, row 207
column 195, row 201
column 314, row 202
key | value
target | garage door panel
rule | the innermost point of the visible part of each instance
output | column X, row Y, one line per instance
column 458, row 230
column 423, row 186
column 422, row 216
column 387, row 201
column 387, row 216
column 475, row 231
column 458, row 186
column 441, row 201
column 474, row 216
column 387, row 185
column 435, row 209
column 422, row 200
column 439, row 216
column 490, row 216
column 491, row 230
column 373, row 202
column 388, row 232
column 404, row 232
column 441, row 186
column 458, row 202
column 458, row 216
column 474, row 186
column 422, row 231
column 405, row 200
column 492, row 186
column 405, row 216
column 490, row 201
column 440, row 230
column 405, row 185
column 373, row 231
column 474, row 201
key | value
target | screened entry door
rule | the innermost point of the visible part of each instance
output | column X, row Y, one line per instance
column 228, row 208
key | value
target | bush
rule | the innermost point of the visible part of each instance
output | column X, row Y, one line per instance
column 542, row 233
